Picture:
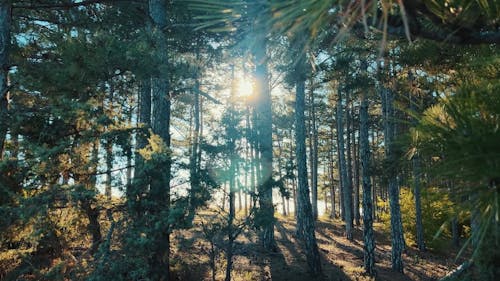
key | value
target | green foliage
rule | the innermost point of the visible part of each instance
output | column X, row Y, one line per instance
column 460, row 134
column 437, row 212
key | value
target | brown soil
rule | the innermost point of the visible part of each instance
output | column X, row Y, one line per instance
column 341, row 259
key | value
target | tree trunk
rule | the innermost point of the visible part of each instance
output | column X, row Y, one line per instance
column 455, row 232
column 418, row 204
column 416, row 186
column 280, row 171
column 160, row 186
column 356, row 176
column 232, row 190
column 305, row 219
column 341, row 168
column 194, row 177
column 294, row 183
column 109, row 149
column 346, row 190
column 128, row 150
column 330, row 173
column 349, row 156
column 398, row 243
column 92, row 212
column 368, row 237
column 313, row 151
column 264, row 128
column 5, row 25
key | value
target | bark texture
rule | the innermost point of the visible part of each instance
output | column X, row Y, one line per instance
column 160, row 186
column 305, row 220
column 265, row 140
column 368, row 238
column 397, row 238
column 5, row 25
column 346, row 189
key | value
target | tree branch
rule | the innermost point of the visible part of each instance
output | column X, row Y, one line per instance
column 69, row 5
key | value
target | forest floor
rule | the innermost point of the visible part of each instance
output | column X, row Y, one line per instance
column 190, row 256
column 341, row 259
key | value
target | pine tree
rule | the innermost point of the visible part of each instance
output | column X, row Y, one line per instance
column 5, row 26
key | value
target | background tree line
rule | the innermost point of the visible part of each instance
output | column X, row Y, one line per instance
column 121, row 122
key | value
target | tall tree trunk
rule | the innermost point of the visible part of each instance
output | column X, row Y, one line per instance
column 109, row 148
column 345, row 182
column 355, row 149
column 333, row 213
column 5, row 25
column 160, row 186
column 230, row 223
column 249, row 174
column 418, row 204
column 398, row 243
column 232, row 186
column 280, row 171
column 89, row 204
column 455, row 232
column 313, row 151
column 129, row 148
column 294, row 183
column 348, row 109
column 416, row 184
column 264, row 128
column 374, row 182
column 194, row 177
column 340, row 159
column 368, row 237
column 305, row 219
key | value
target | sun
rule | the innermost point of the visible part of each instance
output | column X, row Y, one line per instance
column 244, row 86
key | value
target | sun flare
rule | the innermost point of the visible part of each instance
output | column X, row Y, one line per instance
column 244, row 86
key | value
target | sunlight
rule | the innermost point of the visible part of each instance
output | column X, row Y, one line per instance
column 244, row 86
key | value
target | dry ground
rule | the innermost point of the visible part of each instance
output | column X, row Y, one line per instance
column 341, row 259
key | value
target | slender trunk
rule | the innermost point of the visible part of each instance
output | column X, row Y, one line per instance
column 248, row 161
column 418, row 204
column 144, row 113
column 280, row 170
column 305, row 219
column 340, row 140
column 330, row 172
column 250, row 156
column 398, row 243
column 5, row 25
column 313, row 152
column 160, row 184
column 294, row 183
column 295, row 200
column 374, row 182
column 345, row 182
column 356, row 153
column 91, row 211
column 109, row 168
column 232, row 191
column 109, row 149
column 416, row 186
column 455, row 233
column 368, row 237
column 194, row 177
column 200, row 134
column 349, row 149
column 128, row 150
column 230, row 230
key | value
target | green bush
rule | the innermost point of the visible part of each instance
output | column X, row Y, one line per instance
column 437, row 212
